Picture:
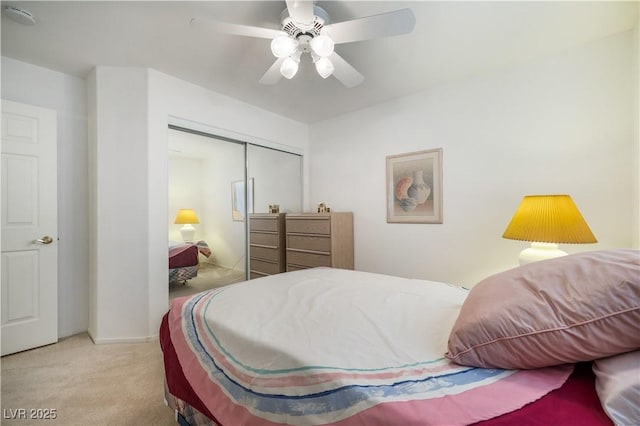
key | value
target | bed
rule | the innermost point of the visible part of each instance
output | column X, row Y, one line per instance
column 184, row 260
column 331, row 346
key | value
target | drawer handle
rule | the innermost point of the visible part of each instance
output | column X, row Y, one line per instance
column 263, row 246
column 322, row 253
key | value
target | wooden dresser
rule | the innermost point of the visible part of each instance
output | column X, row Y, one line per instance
column 319, row 239
column 266, row 244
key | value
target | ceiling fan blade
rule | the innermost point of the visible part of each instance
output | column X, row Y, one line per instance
column 234, row 29
column 301, row 11
column 272, row 76
column 383, row 25
column 344, row 72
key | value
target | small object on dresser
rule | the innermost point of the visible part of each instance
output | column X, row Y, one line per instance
column 322, row 207
column 274, row 208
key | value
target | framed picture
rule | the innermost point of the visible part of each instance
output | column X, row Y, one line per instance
column 414, row 187
column 237, row 200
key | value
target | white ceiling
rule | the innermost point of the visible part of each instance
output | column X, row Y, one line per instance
column 451, row 40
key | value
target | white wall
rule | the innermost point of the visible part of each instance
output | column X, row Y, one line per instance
column 129, row 114
column 26, row 83
column 563, row 124
column 118, row 139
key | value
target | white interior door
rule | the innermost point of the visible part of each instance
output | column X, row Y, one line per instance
column 29, row 227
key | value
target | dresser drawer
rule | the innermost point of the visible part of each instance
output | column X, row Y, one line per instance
column 309, row 242
column 308, row 259
column 263, row 224
column 265, row 253
column 264, row 266
column 309, row 226
column 264, row 238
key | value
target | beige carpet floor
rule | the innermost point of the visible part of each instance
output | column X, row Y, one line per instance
column 102, row 385
column 87, row 384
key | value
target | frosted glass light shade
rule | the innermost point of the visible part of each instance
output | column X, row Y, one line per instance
column 324, row 67
column 283, row 46
column 187, row 217
column 289, row 68
column 322, row 45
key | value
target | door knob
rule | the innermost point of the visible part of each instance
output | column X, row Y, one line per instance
column 45, row 240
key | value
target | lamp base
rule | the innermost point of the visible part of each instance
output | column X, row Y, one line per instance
column 187, row 232
column 540, row 251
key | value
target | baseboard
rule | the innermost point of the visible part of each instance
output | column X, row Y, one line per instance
column 67, row 333
column 112, row 340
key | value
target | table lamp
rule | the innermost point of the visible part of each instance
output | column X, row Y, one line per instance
column 187, row 217
column 546, row 221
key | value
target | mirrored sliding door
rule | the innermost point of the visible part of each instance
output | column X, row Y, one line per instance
column 276, row 181
column 215, row 185
column 276, row 178
column 204, row 174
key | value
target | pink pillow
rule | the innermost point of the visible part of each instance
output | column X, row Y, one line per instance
column 569, row 309
column 618, row 387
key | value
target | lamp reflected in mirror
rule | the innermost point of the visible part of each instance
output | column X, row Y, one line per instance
column 187, row 218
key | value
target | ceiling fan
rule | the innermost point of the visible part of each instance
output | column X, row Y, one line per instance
column 306, row 29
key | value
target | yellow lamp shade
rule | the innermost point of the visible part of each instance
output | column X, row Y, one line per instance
column 186, row 216
column 549, row 219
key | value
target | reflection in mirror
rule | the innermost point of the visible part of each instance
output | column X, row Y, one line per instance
column 207, row 175
column 201, row 170
column 277, row 189
column 277, row 179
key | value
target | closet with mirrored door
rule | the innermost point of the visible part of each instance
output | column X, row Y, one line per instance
column 227, row 199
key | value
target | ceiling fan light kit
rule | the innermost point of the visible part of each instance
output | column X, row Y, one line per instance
column 289, row 67
column 324, row 67
column 306, row 29
column 319, row 47
column 322, row 45
column 283, row 46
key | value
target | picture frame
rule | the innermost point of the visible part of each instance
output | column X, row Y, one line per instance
column 414, row 187
column 237, row 199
